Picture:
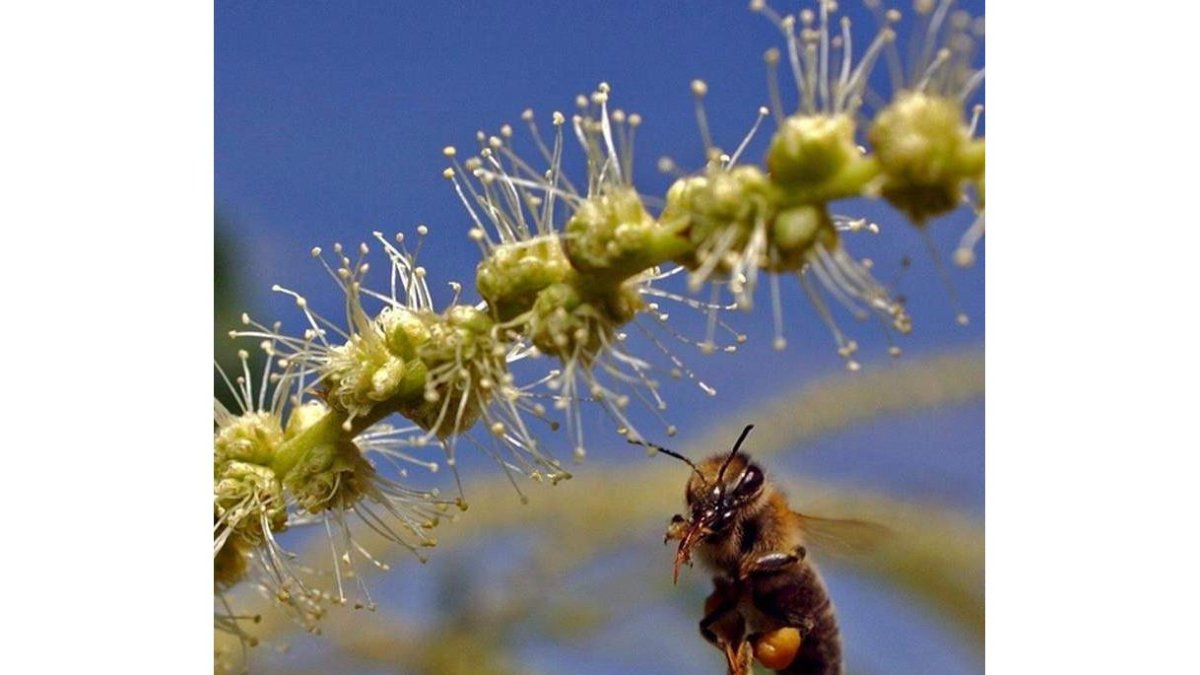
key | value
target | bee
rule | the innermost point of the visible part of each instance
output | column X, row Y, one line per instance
column 769, row 602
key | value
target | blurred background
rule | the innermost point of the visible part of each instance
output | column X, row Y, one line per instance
column 330, row 120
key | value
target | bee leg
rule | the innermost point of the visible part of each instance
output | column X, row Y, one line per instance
column 725, row 629
column 722, row 624
column 676, row 528
column 718, row 626
column 739, row 658
column 772, row 562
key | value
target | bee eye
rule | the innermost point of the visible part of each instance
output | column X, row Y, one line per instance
column 751, row 481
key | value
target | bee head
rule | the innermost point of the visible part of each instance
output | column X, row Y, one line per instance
column 719, row 489
column 714, row 505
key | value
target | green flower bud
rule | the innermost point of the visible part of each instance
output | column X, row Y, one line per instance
column 363, row 372
column 402, row 331
column 513, row 274
column 682, row 197
column 923, row 144
column 248, row 497
column 330, row 476
column 611, row 235
column 465, row 362
column 569, row 325
column 809, row 149
column 468, row 322
column 706, row 208
column 252, row 437
column 795, row 231
column 303, row 417
column 685, row 199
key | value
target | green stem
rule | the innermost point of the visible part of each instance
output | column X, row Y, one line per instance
column 851, row 181
column 329, row 429
column 664, row 246
column 325, row 431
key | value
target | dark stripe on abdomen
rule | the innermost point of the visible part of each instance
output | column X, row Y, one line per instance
column 821, row 649
column 798, row 598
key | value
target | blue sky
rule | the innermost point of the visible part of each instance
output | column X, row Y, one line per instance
column 330, row 120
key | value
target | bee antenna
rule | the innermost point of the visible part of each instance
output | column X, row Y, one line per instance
column 736, row 446
column 670, row 453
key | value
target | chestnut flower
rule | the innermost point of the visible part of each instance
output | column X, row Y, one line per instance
column 446, row 372
column 250, row 504
column 743, row 220
column 569, row 267
column 927, row 145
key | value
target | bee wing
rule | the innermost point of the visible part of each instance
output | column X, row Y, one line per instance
column 842, row 538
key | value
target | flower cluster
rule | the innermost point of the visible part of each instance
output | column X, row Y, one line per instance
column 576, row 271
column 570, row 270
column 311, row 444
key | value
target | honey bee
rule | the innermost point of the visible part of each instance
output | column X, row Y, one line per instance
column 769, row 602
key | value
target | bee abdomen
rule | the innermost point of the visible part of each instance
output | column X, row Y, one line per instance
column 798, row 598
column 820, row 649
